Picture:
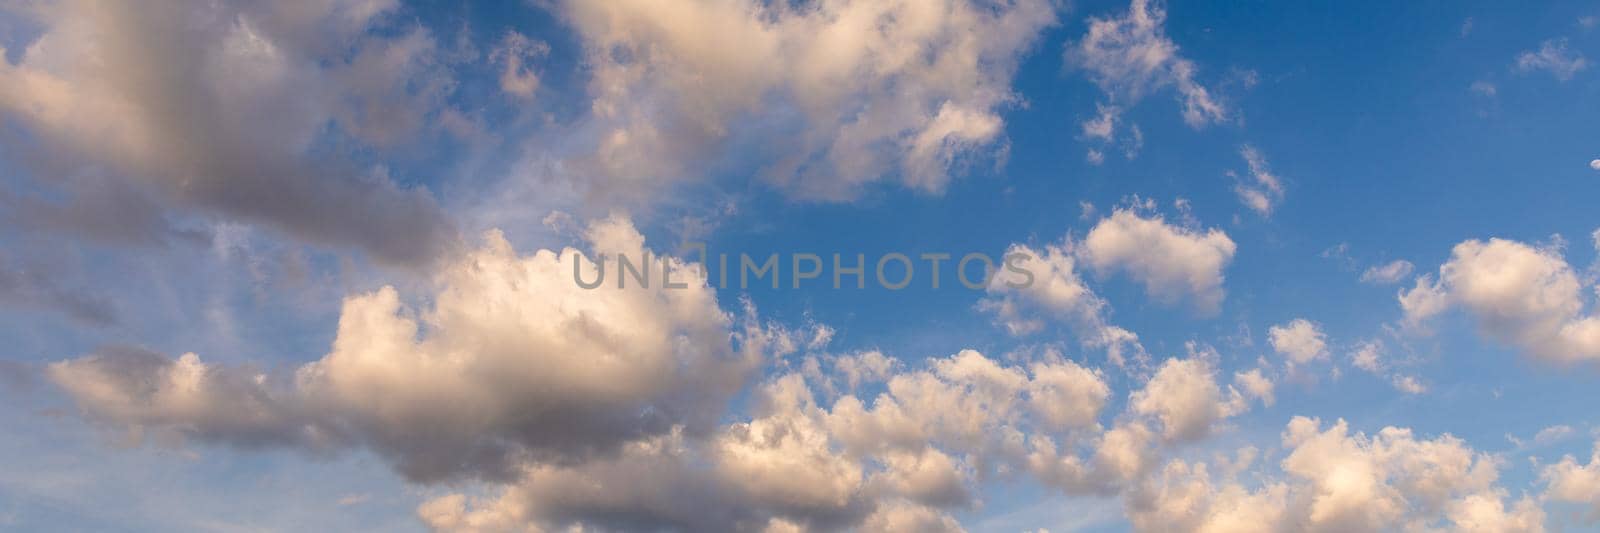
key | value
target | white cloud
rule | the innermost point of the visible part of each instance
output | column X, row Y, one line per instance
column 1266, row 189
column 1184, row 396
column 1387, row 273
column 1301, row 341
column 1255, row 385
column 1172, row 262
column 1554, row 57
column 879, row 89
column 1382, row 482
column 1336, row 481
column 1594, row 164
column 1131, row 56
column 1552, row 434
column 1064, row 395
column 1571, row 482
column 1526, row 296
column 1368, row 356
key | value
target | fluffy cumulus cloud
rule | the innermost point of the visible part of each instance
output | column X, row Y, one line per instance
column 1173, row 262
column 646, row 450
column 1520, row 294
column 871, row 90
column 906, row 458
column 510, row 349
column 515, row 54
column 1185, row 397
column 1301, row 341
column 216, row 108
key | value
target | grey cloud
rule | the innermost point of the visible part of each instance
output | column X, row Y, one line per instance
column 216, row 108
column 41, row 288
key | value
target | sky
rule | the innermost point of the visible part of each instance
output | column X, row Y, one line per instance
column 310, row 265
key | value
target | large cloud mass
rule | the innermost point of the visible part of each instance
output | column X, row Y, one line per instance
column 217, row 106
column 512, row 361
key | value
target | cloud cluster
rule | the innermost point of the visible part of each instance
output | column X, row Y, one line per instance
column 1043, row 285
column 1523, row 295
column 848, row 92
column 901, row 460
column 587, row 423
column 1333, row 480
column 1185, row 397
column 216, row 108
column 511, row 362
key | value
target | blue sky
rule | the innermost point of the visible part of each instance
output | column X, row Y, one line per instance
column 354, row 214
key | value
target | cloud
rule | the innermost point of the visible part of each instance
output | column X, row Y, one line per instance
column 1130, row 56
column 142, row 391
column 1387, row 273
column 1172, row 262
column 1333, row 480
column 1300, row 340
column 898, row 462
column 1050, row 288
column 510, row 350
column 216, row 108
column 1525, row 296
column 1569, row 481
column 851, row 93
column 1554, row 57
column 1184, row 396
column 1368, row 356
column 1255, row 385
column 1266, row 189
column 1408, row 384
column 42, row 288
column 1361, row 483
column 514, row 53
